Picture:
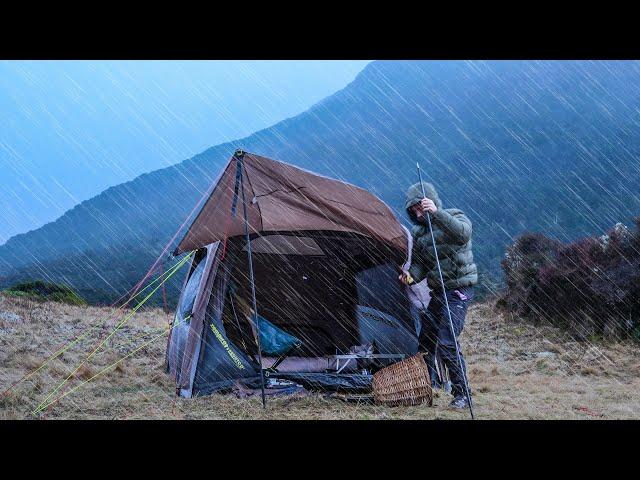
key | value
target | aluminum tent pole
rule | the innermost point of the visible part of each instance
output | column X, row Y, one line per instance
column 239, row 159
column 446, row 302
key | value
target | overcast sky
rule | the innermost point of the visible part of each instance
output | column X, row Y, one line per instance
column 70, row 129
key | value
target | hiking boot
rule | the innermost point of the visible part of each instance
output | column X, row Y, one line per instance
column 459, row 403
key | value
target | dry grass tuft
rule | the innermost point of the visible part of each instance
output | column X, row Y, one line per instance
column 29, row 362
column 84, row 372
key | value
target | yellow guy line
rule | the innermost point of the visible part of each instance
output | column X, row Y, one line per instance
column 106, row 368
column 66, row 347
column 133, row 312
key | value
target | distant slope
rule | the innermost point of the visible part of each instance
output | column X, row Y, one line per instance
column 550, row 146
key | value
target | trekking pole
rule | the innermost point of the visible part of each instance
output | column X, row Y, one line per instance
column 446, row 302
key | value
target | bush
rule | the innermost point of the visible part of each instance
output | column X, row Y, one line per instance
column 40, row 290
column 591, row 286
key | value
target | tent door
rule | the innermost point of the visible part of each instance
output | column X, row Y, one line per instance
column 191, row 353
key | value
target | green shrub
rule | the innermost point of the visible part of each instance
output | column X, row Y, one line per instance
column 40, row 290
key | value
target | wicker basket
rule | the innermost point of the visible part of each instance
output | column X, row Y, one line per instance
column 404, row 383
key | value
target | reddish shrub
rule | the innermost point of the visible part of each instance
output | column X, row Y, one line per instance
column 591, row 286
column 521, row 265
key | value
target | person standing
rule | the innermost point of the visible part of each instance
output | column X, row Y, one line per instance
column 452, row 233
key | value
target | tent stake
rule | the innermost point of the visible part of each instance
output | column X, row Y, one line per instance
column 239, row 155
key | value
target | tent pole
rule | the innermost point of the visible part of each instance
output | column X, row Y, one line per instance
column 239, row 156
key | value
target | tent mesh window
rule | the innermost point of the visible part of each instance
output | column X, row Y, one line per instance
column 404, row 383
column 311, row 297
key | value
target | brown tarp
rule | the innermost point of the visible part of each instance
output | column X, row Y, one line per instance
column 282, row 198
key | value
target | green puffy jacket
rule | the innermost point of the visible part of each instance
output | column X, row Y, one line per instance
column 452, row 233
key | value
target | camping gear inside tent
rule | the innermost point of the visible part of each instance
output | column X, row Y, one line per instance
column 318, row 272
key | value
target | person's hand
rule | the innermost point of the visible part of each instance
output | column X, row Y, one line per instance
column 427, row 205
column 405, row 278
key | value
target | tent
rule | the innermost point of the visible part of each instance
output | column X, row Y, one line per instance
column 290, row 268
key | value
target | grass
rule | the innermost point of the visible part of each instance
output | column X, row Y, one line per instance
column 580, row 381
column 45, row 291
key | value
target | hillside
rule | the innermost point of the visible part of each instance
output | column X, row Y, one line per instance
column 543, row 146
column 516, row 370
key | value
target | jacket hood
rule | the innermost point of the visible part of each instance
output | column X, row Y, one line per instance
column 414, row 195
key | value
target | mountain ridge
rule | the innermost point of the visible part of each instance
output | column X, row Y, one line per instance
column 518, row 145
column 231, row 145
